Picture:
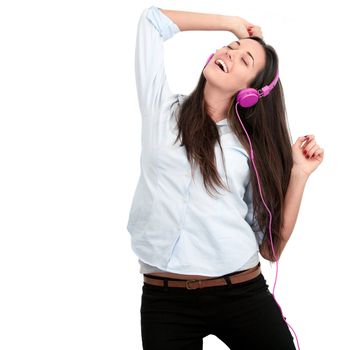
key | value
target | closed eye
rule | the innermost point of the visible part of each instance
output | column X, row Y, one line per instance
column 242, row 58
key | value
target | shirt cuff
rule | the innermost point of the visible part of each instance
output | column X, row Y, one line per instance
column 164, row 25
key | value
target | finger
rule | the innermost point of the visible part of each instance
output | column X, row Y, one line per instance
column 318, row 153
column 315, row 155
column 310, row 152
column 308, row 146
column 256, row 31
column 300, row 140
column 309, row 140
column 311, row 137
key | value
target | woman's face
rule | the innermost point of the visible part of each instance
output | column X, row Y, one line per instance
column 243, row 59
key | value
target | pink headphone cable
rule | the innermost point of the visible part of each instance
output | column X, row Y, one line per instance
column 257, row 176
column 248, row 98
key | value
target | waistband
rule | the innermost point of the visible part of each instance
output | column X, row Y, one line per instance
column 231, row 278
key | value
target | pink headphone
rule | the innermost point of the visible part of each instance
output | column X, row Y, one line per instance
column 250, row 96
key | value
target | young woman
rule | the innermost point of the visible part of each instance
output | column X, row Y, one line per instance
column 199, row 250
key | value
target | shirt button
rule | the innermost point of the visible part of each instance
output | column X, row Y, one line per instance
column 185, row 200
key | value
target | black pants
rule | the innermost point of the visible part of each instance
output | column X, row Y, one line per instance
column 245, row 316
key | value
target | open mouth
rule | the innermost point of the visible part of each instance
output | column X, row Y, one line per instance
column 221, row 65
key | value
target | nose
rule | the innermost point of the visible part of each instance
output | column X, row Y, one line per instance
column 227, row 52
column 224, row 48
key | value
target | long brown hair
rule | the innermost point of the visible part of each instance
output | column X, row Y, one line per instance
column 267, row 126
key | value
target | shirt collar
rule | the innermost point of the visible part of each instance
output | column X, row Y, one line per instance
column 222, row 122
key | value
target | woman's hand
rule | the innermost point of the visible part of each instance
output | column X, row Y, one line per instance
column 307, row 154
column 242, row 28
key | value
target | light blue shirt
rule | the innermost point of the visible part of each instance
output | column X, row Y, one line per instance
column 175, row 225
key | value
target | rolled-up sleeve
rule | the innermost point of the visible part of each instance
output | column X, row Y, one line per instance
column 154, row 27
column 252, row 221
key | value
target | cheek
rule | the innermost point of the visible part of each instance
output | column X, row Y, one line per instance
column 230, row 82
column 240, row 77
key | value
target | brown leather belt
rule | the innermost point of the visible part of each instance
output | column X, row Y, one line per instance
column 243, row 276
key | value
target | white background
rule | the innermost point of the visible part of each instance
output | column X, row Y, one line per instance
column 70, row 138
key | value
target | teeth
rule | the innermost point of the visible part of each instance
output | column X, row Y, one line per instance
column 222, row 63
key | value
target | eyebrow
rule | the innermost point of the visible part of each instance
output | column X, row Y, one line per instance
column 247, row 51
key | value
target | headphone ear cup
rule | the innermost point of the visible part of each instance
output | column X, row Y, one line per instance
column 209, row 58
column 247, row 97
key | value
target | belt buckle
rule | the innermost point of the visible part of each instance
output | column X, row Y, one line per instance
column 189, row 281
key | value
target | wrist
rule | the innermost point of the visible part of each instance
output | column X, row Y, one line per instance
column 227, row 23
column 299, row 174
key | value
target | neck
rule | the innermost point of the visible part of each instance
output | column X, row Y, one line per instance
column 217, row 102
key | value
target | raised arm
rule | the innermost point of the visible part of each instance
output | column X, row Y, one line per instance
column 157, row 25
column 151, row 82
column 239, row 26
column 186, row 20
